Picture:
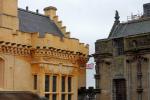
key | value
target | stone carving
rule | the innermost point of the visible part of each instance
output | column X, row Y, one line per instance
column 104, row 47
column 139, row 42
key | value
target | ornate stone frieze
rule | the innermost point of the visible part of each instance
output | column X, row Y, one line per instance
column 137, row 43
column 15, row 49
column 25, row 50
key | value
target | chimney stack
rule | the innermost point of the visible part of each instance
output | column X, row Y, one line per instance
column 50, row 11
column 146, row 8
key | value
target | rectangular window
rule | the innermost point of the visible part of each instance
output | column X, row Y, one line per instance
column 54, row 83
column 47, row 83
column 69, row 97
column 119, row 46
column 63, row 97
column 54, row 97
column 63, row 83
column 69, row 84
column 35, row 82
column 119, row 89
column 47, row 96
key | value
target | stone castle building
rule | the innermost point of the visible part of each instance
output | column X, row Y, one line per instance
column 38, row 55
column 123, row 60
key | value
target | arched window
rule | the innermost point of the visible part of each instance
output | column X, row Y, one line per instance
column 1, row 73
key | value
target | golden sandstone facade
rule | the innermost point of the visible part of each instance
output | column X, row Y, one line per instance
column 50, row 65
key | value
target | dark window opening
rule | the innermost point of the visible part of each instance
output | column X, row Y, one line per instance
column 54, row 83
column 69, row 97
column 119, row 89
column 35, row 82
column 63, row 83
column 47, row 82
column 54, row 96
column 69, row 84
column 47, row 96
column 63, row 97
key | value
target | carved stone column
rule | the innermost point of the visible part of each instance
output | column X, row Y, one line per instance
column 139, row 79
column 138, row 59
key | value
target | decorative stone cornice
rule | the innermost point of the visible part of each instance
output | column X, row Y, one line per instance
column 77, row 58
column 14, row 49
column 136, row 57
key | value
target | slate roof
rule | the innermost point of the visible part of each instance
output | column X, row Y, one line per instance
column 33, row 22
column 134, row 27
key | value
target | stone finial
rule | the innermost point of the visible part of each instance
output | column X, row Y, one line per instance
column 117, row 16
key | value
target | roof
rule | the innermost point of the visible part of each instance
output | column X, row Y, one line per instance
column 34, row 22
column 134, row 27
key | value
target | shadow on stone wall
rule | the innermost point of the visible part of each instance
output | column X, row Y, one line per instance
column 19, row 95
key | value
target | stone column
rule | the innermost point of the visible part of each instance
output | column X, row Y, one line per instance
column 97, row 77
column 41, row 80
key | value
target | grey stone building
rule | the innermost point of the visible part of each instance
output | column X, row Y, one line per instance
column 123, row 60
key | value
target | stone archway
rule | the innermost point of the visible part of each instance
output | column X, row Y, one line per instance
column 1, row 73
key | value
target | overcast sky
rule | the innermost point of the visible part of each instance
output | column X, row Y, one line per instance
column 88, row 20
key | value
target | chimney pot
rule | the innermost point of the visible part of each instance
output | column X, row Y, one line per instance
column 50, row 8
column 37, row 11
column 27, row 8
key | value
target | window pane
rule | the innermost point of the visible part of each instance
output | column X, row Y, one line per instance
column 47, row 96
column 54, row 83
column 69, row 84
column 63, row 97
column 47, row 83
column 35, row 82
column 63, row 83
column 69, row 97
column 54, row 96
